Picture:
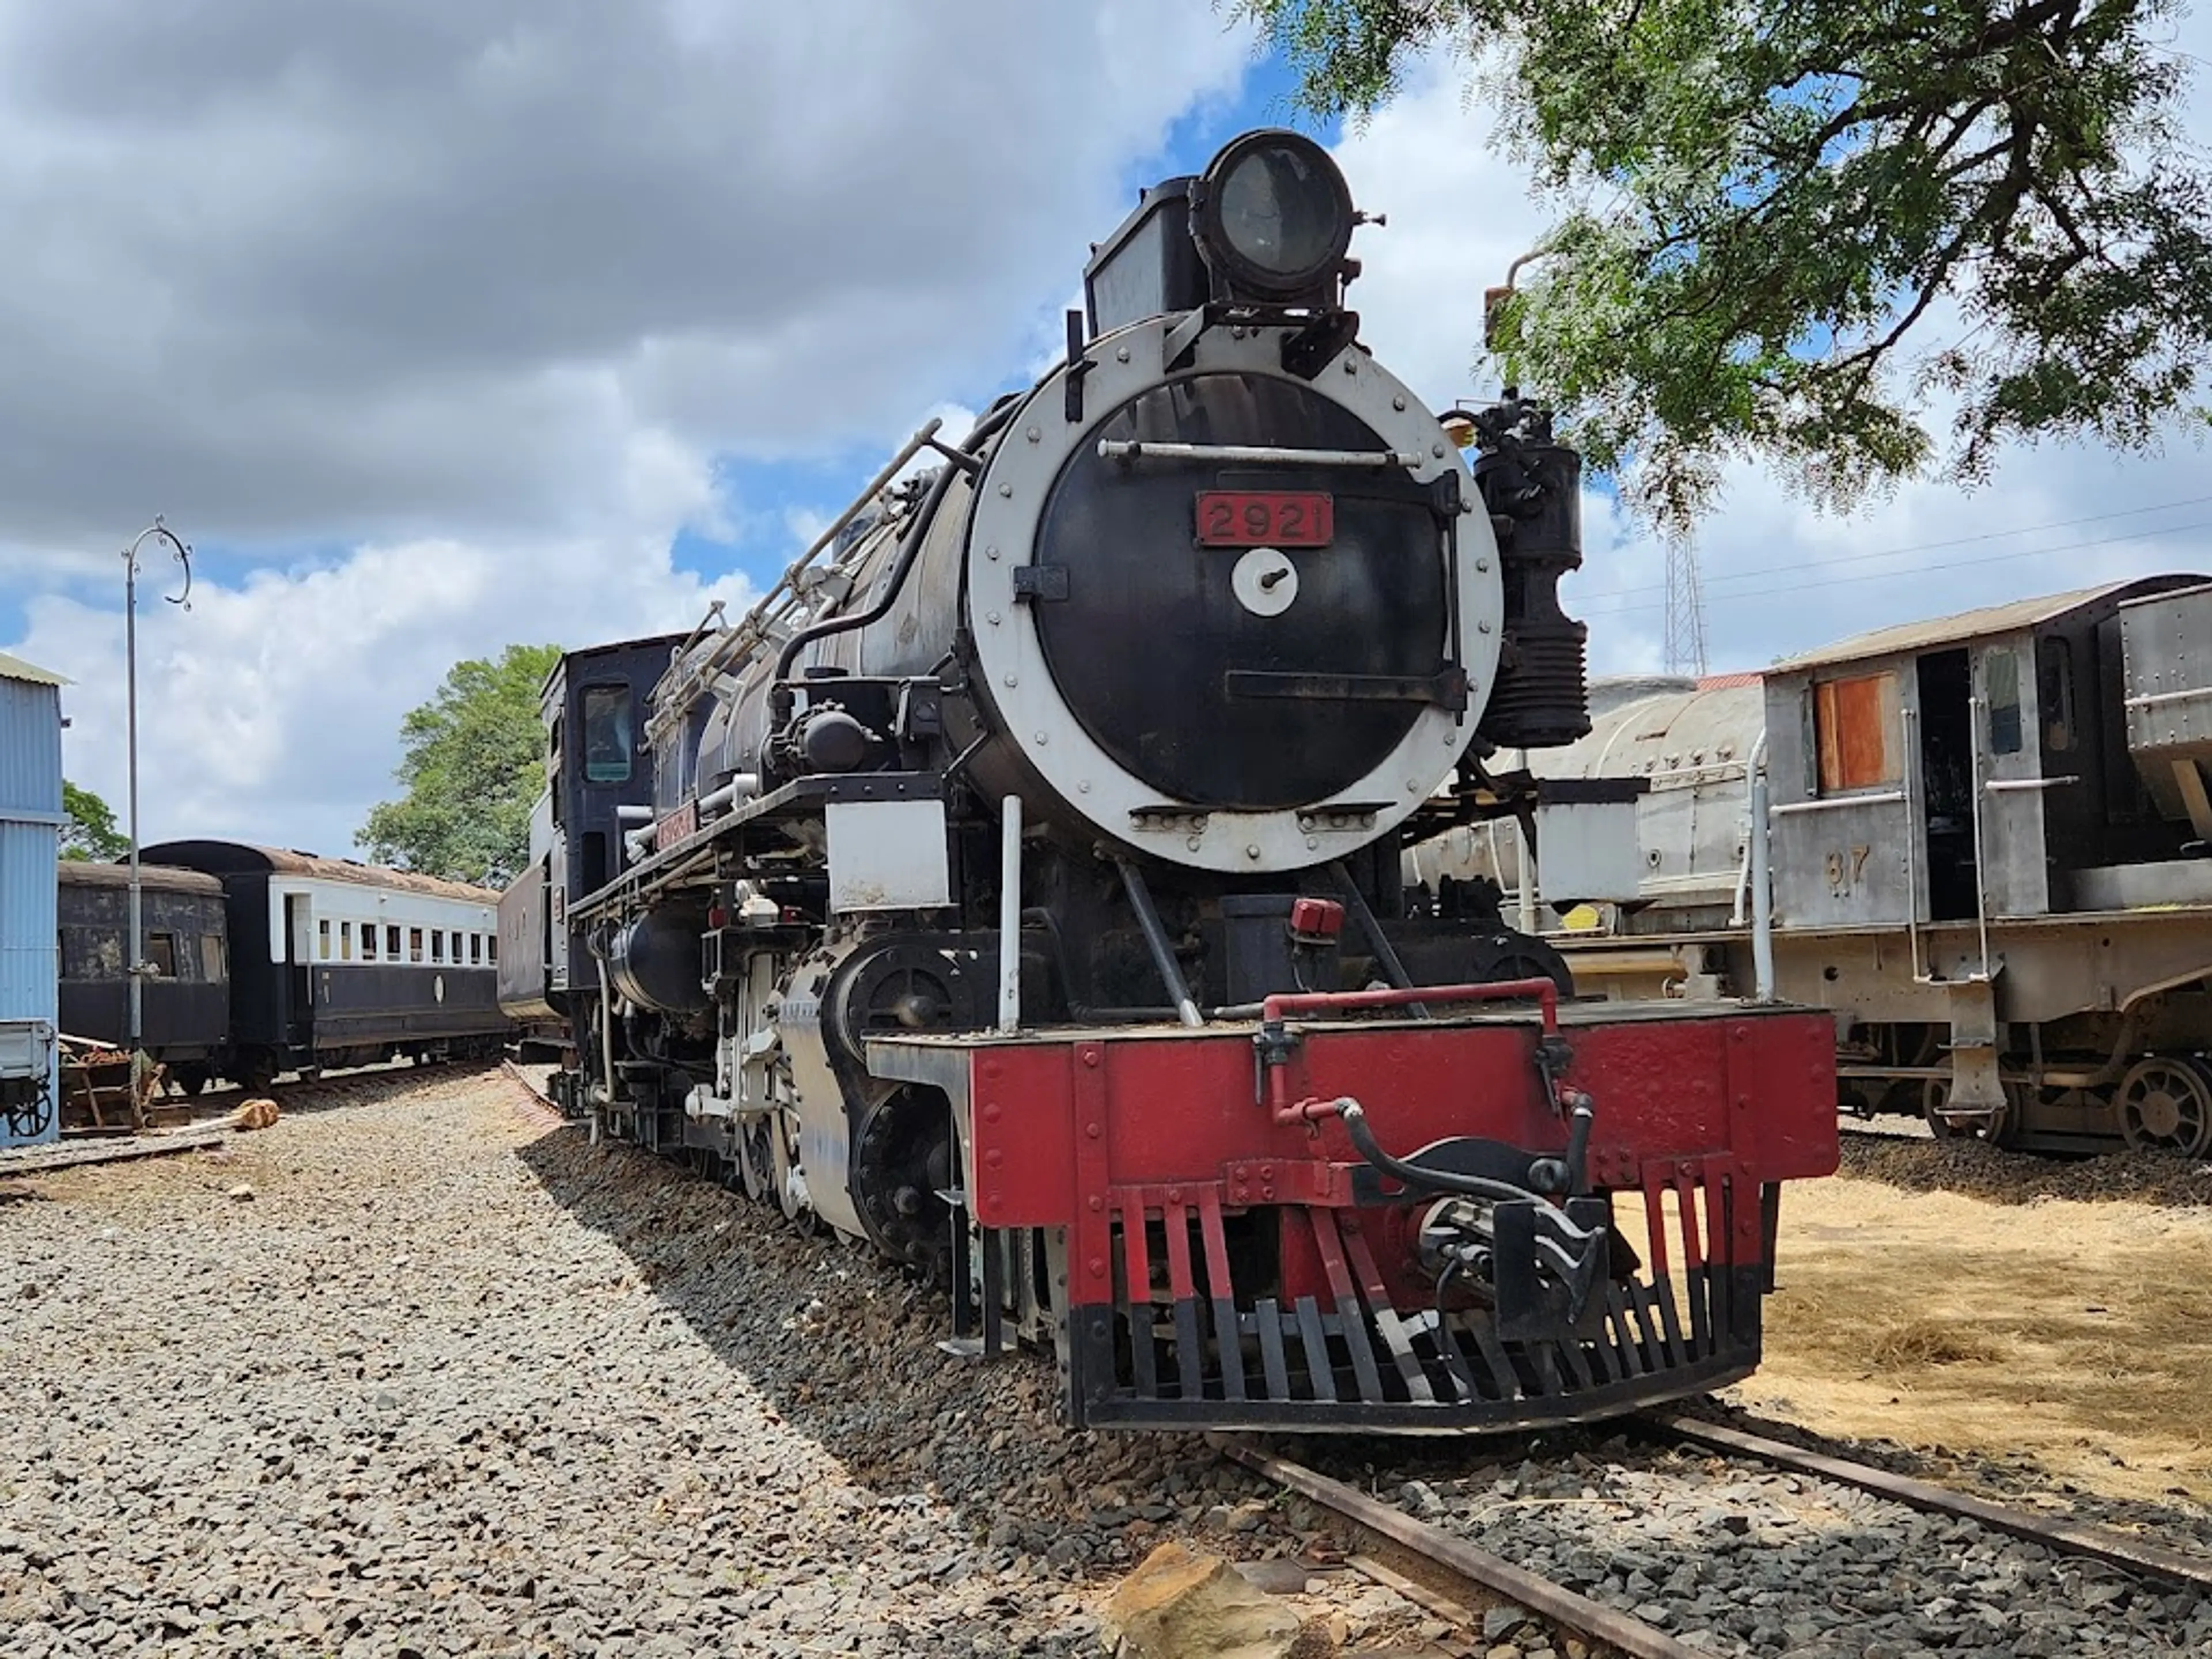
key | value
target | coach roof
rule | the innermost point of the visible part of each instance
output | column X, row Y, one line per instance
column 235, row 857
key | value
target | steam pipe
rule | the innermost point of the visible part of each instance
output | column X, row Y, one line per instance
column 1762, row 885
column 1156, row 939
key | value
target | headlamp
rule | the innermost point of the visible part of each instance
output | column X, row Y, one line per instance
column 1274, row 216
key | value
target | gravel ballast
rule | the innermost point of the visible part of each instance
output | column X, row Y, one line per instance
column 1733, row 1558
column 421, row 1374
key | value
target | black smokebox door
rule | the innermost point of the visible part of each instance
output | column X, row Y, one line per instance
column 1183, row 682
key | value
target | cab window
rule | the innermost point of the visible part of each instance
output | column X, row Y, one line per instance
column 2001, row 675
column 1854, row 724
column 607, row 734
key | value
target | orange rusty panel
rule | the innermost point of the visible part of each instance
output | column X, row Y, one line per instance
column 1853, row 718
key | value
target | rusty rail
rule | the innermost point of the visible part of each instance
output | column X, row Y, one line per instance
column 2075, row 1537
column 1630, row 1635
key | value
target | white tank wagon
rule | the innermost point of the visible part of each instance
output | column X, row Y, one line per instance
column 1989, row 851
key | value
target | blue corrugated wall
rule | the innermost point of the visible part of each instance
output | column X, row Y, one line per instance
column 30, row 843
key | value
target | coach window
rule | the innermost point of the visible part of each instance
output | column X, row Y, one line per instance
column 2001, row 675
column 391, row 943
column 414, row 944
column 211, row 962
column 475, row 950
column 607, row 734
column 437, row 945
column 345, row 941
column 161, row 954
column 1852, row 723
column 323, row 939
column 491, row 948
column 2054, row 692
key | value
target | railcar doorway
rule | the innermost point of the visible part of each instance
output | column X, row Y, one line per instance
column 1947, row 783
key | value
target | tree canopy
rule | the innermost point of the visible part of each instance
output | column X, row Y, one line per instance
column 1817, row 234
column 90, row 832
column 474, row 762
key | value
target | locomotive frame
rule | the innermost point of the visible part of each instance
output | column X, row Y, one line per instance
column 1020, row 892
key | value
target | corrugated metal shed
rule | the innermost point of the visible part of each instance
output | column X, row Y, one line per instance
column 30, row 849
column 1971, row 624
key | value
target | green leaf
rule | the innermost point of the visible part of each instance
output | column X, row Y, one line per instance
column 472, row 767
column 90, row 832
column 1804, row 236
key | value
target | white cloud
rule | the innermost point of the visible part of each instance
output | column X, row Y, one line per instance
column 269, row 710
column 471, row 300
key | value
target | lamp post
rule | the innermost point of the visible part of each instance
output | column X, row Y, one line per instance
column 154, row 531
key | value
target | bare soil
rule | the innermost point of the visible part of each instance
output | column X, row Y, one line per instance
column 1996, row 1320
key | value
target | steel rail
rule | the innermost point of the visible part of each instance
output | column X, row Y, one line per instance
column 2075, row 1537
column 1579, row 1613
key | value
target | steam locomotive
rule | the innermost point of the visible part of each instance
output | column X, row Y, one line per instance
column 1016, row 887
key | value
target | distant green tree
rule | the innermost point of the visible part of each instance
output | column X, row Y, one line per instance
column 473, row 765
column 1793, row 232
column 90, row 832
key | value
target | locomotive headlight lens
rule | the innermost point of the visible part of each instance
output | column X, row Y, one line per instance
column 1277, row 215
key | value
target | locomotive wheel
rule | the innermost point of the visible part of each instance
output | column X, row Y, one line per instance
column 755, row 1158
column 2165, row 1105
column 1998, row 1130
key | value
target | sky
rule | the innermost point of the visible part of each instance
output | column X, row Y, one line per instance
column 436, row 328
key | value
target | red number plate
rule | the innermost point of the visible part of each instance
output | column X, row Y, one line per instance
column 1239, row 517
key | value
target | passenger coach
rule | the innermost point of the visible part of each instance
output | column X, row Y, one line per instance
column 337, row 963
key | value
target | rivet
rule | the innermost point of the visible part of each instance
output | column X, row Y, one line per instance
column 1121, row 354
column 1398, row 404
column 1013, row 680
column 1479, row 564
column 1350, row 366
column 1092, row 1129
column 992, row 617
column 1097, row 1204
column 1437, row 450
column 1253, row 851
column 1312, row 842
column 994, row 1157
column 1083, row 786
column 1482, row 627
column 1034, row 435
column 1039, row 736
column 1097, row 1267
column 990, row 552
column 1194, row 842
column 994, row 1200
column 993, row 1112
column 1267, row 1192
column 1266, row 1172
column 1006, row 489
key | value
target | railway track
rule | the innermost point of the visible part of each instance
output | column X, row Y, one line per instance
column 2079, row 1588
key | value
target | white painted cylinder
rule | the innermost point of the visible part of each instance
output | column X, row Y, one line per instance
column 1762, row 891
column 1010, row 914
